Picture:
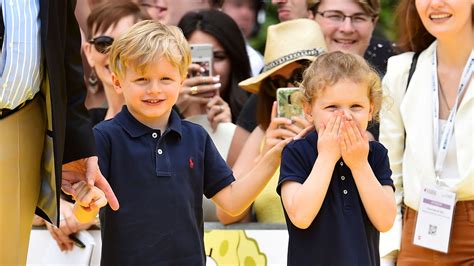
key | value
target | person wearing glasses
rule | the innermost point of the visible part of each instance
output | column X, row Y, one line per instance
column 106, row 22
column 348, row 25
column 284, row 66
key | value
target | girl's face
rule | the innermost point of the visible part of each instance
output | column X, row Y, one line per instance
column 349, row 34
column 221, row 62
column 446, row 17
column 345, row 96
column 99, row 61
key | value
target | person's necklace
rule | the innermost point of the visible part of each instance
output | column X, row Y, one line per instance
column 444, row 97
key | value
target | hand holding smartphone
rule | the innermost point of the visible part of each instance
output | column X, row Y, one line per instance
column 288, row 103
column 202, row 54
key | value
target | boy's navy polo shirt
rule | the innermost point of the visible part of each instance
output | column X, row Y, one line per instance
column 159, row 182
column 341, row 233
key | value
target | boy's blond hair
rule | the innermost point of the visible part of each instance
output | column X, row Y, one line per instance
column 144, row 43
column 332, row 67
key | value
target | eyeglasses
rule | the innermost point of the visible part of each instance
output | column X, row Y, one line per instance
column 339, row 17
column 278, row 81
column 102, row 43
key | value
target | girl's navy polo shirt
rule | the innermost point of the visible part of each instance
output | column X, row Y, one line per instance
column 159, row 182
column 341, row 233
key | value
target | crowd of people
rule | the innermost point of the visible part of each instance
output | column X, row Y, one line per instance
column 102, row 107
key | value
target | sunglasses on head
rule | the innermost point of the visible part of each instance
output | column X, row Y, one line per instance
column 278, row 81
column 102, row 43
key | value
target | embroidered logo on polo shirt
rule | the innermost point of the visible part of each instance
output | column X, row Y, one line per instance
column 191, row 163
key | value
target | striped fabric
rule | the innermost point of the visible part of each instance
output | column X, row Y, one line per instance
column 20, row 62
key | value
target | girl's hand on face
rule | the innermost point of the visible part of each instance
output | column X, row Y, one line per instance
column 354, row 144
column 277, row 130
column 218, row 111
column 328, row 137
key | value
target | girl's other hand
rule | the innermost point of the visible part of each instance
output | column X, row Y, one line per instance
column 354, row 144
column 218, row 111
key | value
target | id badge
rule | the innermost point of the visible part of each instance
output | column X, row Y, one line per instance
column 434, row 219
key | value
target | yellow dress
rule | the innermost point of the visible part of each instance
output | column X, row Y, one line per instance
column 267, row 206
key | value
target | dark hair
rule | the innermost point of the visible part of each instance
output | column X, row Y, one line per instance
column 225, row 30
column 215, row 3
column 412, row 34
column 371, row 7
column 108, row 13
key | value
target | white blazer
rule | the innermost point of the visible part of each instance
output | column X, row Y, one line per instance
column 412, row 159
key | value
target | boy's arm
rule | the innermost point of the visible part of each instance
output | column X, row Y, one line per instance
column 302, row 202
column 247, row 159
column 239, row 195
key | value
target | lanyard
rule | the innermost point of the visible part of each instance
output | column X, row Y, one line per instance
column 442, row 144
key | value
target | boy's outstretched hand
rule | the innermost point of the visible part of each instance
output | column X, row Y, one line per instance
column 354, row 144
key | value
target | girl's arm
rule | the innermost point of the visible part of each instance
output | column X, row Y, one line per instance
column 378, row 200
column 302, row 202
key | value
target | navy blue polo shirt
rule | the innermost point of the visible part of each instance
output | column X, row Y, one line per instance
column 341, row 233
column 159, row 180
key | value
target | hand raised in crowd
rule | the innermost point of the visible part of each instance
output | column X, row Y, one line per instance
column 218, row 111
column 328, row 137
column 283, row 128
column 197, row 89
column 353, row 143
column 87, row 169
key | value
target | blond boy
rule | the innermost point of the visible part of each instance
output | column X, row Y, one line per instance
column 159, row 165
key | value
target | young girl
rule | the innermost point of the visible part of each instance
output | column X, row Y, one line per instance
column 335, row 186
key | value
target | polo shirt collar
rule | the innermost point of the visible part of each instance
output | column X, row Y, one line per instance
column 136, row 129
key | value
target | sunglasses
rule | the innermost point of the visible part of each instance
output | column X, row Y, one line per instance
column 102, row 43
column 278, row 81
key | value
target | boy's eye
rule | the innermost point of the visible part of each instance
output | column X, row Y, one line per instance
column 141, row 79
column 356, row 107
column 166, row 78
column 331, row 107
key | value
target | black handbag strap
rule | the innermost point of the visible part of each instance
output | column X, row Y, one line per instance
column 414, row 60
column 410, row 74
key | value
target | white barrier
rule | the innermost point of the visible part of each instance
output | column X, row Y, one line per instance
column 241, row 244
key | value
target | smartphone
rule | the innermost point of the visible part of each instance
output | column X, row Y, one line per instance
column 202, row 54
column 288, row 103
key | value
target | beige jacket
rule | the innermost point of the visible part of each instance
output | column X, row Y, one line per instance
column 411, row 111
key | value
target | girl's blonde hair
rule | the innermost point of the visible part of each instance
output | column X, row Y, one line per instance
column 144, row 43
column 332, row 67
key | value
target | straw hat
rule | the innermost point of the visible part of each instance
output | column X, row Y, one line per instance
column 288, row 42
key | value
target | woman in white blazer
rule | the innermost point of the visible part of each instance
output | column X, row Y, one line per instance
column 414, row 118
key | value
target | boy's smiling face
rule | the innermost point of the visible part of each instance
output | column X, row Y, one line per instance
column 150, row 96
